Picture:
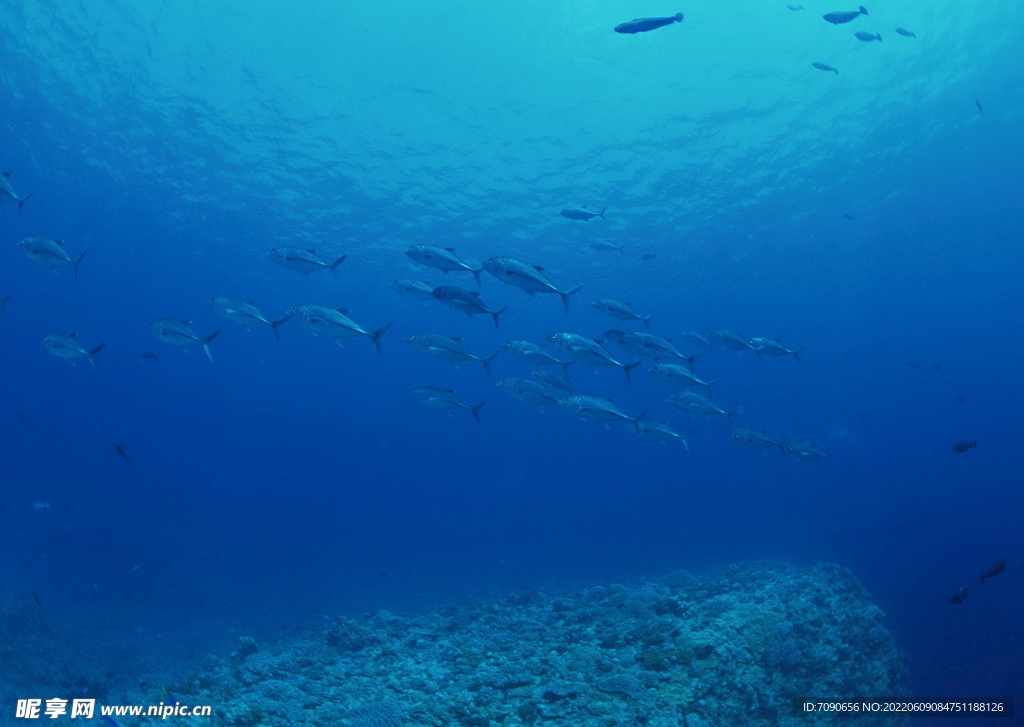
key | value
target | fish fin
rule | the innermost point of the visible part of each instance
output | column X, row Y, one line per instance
column 796, row 354
column 647, row 322
column 629, row 367
column 566, row 296
column 206, row 343
column 639, row 416
column 678, row 17
column 92, row 353
column 601, row 213
column 334, row 266
column 475, row 409
column 22, row 201
column 565, row 368
column 758, row 352
column 495, row 314
column 275, row 324
column 476, row 275
column 737, row 410
column 487, row 361
column 863, row 10
column 709, row 385
column 343, row 311
column 6, row 174
column 76, row 262
column 450, row 249
column 538, row 268
column 375, row 336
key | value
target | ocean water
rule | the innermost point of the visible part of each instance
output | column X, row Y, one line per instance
column 873, row 217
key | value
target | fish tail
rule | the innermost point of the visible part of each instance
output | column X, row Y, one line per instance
column 709, row 385
column 92, row 353
column 76, row 262
column 678, row 17
column 274, row 325
column 206, row 343
column 629, row 367
column 690, row 359
column 334, row 266
column 782, row 445
column 647, row 321
column 495, row 314
column 22, row 201
column 685, row 437
column 737, row 410
column 565, row 368
column 475, row 409
column 836, row 70
column 565, row 296
column 601, row 213
column 758, row 352
column 796, row 354
column 375, row 336
column 863, row 10
column 476, row 275
column 487, row 362
column 638, row 417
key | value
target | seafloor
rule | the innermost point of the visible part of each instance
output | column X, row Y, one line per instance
column 739, row 646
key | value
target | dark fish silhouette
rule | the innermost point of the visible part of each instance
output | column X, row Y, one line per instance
column 964, row 446
column 905, row 33
column 845, row 16
column 120, row 450
column 913, row 364
column 960, row 596
column 848, row 216
column 867, row 37
column 978, row 104
column 36, row 599
column 648, row 256
column 995, row 570
column 642, row 25
column 963, row 401
column 3, row 302
column 149, row 356
column 825, row 67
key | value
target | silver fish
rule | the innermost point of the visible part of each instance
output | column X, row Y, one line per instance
column 445, row 399
column 825, row 67
column 690, row 402
column 801, row 449
column 643, row 25
column 678, row 375
column 49, row 253
column 178, row 333
column 753, row 438
column 844, row 16
column 532, row 353
column 658, row 431
column 442, row 258
column 415, row 289
column 622, row 311
column 305, row 261
column 530, row 391
column 648, row 344
column 467, row 301
column 559, row 385
column 794, row 8
column 243, row 312
column 7, row 192
column 868, row 37
column 64, row 345
column 447, row 348
column 773, row 347
column 587, row 351
column 333, row 323
column 596, row 410
column 527, row 277
column 905, row 33
column 698, row 339
column 624, row 341
column 581, row 213
column 734, row 341
column 607, row 246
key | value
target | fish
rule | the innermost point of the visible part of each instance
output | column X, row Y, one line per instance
column 848, row 216
column 442, row 258
column 773, row 347
column 643, row 25
column 244, row 313
column 607, row 246
column 964, row 446
column 648, row 344
column 730, row 340
column 690, row 402
column 581, row 213
column 7, row 192
column 960, row 596
column 38, row 505
column 698, row 339
column 622, row 311
column 532, row 392
column 3, row 302
column 587, row 351
column 801, row 449
column 559, row 385
column 121, row 453
column 867, row 37
column 149, row 355
column 994, row 571
column 905, row 33
column 445, row 399
column 178, row 333
column 978, row 104
column 36, row 599
column 49, row 253
column 447, row 348
column 333, row 323
column 64, row 345
column 838, row 18
column 678, row 375
column 596, row 410
column 305, row 261
column 467, row 301
column 658, row 431
column 794, row 8
column 753, row 438
column 963, row 401
column 415, row 289
column 527, row 277
column 624, row 341
column 532, row 353
column 648, row 256
column 825, row 67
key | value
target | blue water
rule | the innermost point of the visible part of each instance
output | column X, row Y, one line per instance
column 872, row 216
